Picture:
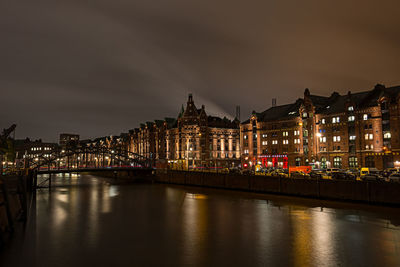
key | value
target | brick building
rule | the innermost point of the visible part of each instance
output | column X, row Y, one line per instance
column 192, row 140
column 343, row 131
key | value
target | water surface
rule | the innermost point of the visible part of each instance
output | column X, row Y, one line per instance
column 91, row 221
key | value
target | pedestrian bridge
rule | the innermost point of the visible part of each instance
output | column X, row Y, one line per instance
column 100, row 160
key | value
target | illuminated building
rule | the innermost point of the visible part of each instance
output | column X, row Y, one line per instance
column 193, row 140
column 341, row 131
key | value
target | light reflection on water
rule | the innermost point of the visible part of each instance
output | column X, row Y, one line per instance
column 86, row 220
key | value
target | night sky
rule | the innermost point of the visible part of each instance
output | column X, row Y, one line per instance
column 103, row 67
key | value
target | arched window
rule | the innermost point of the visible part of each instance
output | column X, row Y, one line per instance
column 337, row 162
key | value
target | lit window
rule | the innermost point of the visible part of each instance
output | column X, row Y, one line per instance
column 297, row 141
column 365, row 117
column 369, row 137
column 367, row 147
column 352, row 137
column 336, row 138
column 352, row 118
column 304, row 114
column 274, row 142
column 285, row 133
column 387, row 135
column 264, row 135
column 323, row 121
column 351, row 108
column 245, row 137
column 296, row 132
column 372, row 146
column 335, row 119
column 264, row 143
column 246, row 151
column 322, row 139
column 285, row 142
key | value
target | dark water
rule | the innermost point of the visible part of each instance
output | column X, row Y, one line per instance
column 91, row 222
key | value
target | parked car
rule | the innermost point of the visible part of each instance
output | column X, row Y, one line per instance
column 316, row 174
column 395, row 177
column 370, row 174
column 343, row 176
column 299, row 175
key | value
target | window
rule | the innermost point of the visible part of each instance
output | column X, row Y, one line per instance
column 323, row 163
column 322, row 139
column 264, row 143
column 337, row 162
column 352, row 137
column 387, row 135
column 304, row 114
column 369, row 137
column 274, row 142
column 296, row 132
column 351, row 108
column 264, row 135
column 285, row 133
column 336, row 138
column 298, row 161
column 335, row 119
column 245, row 137
column 297, row 141
column 352, row 118
column 372, row 146
column 323, row 121
column 353, row 162
column 369, row 161
column 246, row 151
column 285, row 142
column 365, row 117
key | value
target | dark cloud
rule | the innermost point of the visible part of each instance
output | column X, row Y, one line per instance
column 102, row 67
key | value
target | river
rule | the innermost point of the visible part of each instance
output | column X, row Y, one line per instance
column 91, row 221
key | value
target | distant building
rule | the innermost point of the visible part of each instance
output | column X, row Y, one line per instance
column 28, row 150
column 68, row 139
column 341, row 131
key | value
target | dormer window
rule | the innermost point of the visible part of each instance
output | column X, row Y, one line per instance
column 351, row 108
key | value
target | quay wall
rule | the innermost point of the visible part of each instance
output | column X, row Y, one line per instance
column 361, row 191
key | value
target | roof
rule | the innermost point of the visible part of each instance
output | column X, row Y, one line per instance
column 335, row 103
column 217, row 122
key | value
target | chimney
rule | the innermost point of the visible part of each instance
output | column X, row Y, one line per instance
column 238, row 112
column 273, row 102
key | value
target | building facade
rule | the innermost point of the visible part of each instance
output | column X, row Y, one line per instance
column 341, row 131
column 192, row 140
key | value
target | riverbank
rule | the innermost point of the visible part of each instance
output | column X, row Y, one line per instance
column 371, row 192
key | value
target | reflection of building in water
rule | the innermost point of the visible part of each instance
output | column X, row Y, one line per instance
column 302, row 248
column 195, row 228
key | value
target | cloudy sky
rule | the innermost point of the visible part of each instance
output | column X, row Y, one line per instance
column 101, row 67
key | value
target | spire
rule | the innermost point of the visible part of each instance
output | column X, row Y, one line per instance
column 181, row 112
